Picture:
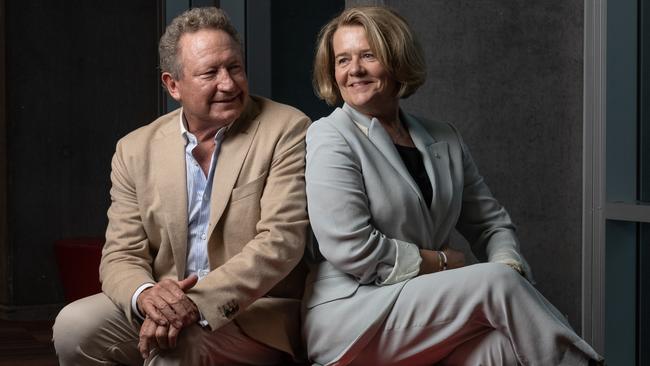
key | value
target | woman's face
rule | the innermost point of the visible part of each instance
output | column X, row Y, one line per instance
column 363, row 81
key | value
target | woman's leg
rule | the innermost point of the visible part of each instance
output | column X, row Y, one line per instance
column 436, row 313
column 490, row 348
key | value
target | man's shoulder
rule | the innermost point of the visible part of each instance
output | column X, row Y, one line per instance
column 275, row 113
column 161, row 126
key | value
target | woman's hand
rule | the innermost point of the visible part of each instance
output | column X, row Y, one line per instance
column 431, row 260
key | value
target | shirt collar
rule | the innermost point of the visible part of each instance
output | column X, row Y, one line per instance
column 184, row 132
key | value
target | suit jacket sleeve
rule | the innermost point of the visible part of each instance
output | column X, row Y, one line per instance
column 279, row 243
column 484, row 222
column 339, row 210
column 126, row 259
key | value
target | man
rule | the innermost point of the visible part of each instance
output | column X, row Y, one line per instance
column 207, row 224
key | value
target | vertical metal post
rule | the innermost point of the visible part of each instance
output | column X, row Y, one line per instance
column 593, row 228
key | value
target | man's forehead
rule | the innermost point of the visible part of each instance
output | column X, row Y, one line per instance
column 209, row 40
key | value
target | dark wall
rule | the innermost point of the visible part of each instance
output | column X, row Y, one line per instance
column 508, row 74
column 294, row 28
column 80, row 74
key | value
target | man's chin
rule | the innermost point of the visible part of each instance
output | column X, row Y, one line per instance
column 227, row 116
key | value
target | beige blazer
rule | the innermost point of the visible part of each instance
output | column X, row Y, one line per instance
column 258, row 221
column 363, row 204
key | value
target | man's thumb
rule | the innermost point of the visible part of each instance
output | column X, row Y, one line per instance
column 188, row 283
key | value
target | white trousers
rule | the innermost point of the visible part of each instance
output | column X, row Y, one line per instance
column 484, row 314
column 93, row 331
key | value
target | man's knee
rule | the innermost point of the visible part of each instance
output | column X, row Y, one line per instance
column 92, row 327
column 73, row 325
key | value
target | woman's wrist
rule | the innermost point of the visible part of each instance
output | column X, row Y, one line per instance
column 442, row 260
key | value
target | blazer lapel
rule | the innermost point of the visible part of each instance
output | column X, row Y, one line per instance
column 379, row 137
column 232, row 154
column 168, row 164
column 435, row 155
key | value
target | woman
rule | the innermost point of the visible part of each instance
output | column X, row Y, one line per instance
column 386, row 192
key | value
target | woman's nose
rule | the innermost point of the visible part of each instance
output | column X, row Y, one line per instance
column 356, row 68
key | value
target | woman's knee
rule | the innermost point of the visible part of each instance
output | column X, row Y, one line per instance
column 498, row 275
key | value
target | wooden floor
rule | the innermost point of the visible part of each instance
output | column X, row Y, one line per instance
column 25, row 343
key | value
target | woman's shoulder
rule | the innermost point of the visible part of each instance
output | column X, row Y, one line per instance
column 336, row 124
column 438, row 130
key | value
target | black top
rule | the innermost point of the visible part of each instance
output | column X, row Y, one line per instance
column 415, row 165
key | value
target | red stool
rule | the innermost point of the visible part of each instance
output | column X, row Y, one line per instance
column 78, row 261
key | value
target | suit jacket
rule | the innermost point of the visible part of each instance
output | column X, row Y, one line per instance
column 363, row 202
column 258, row 221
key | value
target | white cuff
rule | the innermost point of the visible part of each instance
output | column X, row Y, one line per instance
column 407, row 263
column 134, row 299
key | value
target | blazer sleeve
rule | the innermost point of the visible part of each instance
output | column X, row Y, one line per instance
column 126, row 258
column 279, row 243
column 339, row 211
column 484, row 222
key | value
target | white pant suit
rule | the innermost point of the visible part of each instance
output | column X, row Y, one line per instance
column 364, row 301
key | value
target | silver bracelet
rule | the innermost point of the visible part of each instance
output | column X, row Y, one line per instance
column 444, row 260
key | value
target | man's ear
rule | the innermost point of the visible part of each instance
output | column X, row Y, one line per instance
column 171, row 85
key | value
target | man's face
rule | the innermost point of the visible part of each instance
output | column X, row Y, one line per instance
column 213, row 87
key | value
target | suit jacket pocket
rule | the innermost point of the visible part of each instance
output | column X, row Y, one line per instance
column 248, row 189
column 329, row 289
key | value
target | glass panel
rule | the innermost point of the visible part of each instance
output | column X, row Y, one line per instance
column 644, row 295
column 621, row 161
column 620, row 284
column 644, row 101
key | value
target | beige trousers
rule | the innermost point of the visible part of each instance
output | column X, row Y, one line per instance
column 93, row 331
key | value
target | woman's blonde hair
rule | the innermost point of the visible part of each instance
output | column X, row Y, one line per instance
column 390, row 39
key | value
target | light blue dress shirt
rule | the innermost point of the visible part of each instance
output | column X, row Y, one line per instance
column 199, row 190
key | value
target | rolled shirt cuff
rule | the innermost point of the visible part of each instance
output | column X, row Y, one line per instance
column 134, row 299
column 407, row 263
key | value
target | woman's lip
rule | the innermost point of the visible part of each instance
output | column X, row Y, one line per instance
column 358, row 83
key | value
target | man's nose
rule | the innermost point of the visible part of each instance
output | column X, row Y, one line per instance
column 225, row 81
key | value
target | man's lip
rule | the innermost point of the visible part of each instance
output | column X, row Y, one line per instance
column 229, row 100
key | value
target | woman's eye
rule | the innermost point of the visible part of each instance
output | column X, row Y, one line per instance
column 368, row 56
column 341, row 61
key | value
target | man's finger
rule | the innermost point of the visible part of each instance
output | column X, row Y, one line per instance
column 172, row 336
column 147, row 332
column 171, row 287
column 150, row 310
column 161, row 337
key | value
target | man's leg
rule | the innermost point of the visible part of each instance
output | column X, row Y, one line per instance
column 93, row 331
column 227, row 345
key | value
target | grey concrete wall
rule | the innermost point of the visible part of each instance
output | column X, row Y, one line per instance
column 508, row 74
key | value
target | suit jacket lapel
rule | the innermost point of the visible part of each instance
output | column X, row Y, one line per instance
column 435, row 155
column 380, row 138
column 168, row 164
column 232, row 154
